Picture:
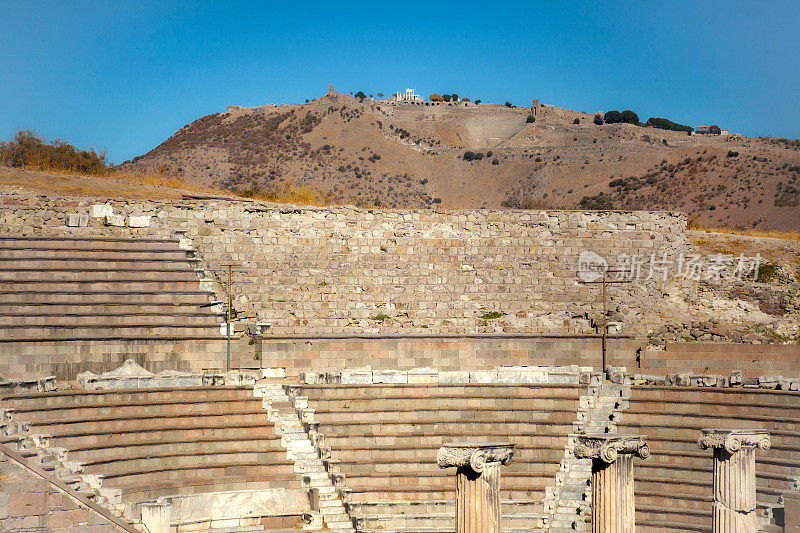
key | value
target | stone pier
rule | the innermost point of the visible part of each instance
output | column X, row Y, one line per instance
column 734, row 476
column 612, row 478
column 477, row 483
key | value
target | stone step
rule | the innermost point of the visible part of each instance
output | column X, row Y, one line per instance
column 97, row 275
column 150, row 423
column 121, row 296
column 102, row 332
column 129, row 284
column 176, row 308
column 111, row 320
column 97, row 264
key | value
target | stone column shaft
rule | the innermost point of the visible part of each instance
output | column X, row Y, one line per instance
column 613, row 508
column 734, row 507
column 477, row 483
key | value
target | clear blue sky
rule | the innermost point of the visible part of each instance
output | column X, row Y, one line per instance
column 124, row 75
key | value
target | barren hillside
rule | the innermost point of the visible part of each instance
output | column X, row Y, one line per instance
column 380, row 152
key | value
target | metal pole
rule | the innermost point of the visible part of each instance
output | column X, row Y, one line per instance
column 605, row 327
column 228, row 320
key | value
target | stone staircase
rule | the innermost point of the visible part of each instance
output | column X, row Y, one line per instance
column 289, row 414
column 569, row 499
column 379, row 443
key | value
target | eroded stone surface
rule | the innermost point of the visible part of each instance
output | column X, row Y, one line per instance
column 608, row 447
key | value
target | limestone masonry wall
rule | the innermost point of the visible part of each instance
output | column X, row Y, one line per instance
column 465, row 353
column 341, row 270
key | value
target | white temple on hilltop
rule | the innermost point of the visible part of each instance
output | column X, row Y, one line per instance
column 408, row 96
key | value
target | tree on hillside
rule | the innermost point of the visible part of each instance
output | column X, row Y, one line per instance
column 380, row 95
column 446, row 97
column 454, row 97
column 530, row 119
column 666, row 124
column 361, row 95
column 436, row 97
column 612, row 117
column 598, row 119
column 478, row 101
column 508, row 104
column 576, row 121
column 629, row 117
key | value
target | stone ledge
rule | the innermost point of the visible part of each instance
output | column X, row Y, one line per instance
column 568, row 375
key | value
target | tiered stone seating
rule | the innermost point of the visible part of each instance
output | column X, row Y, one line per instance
column 384, row 439
column 69, row 288
column 148, row 443
column 674, row 485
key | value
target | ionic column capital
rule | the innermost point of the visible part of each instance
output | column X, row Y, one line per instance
column 733, row 440
column 607, row 448
column 473, row 455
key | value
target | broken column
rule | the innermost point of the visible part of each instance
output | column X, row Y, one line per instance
column 612, row 478
column 734, row 508
column 477, row 483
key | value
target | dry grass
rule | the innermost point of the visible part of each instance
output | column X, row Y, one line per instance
column 291, row 194
column 774, row 234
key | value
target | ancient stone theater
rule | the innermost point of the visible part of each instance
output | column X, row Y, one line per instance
column 225, row 365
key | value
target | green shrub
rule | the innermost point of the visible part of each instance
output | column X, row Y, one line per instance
column 599, row 201
column 629, row 117
column 766, row 272
column 530, row 119
column 469, row 155
column 598, row 119
column 612, row 117
column 576, row 121
column 666, row 124
column 492, row 315
column 508, row 104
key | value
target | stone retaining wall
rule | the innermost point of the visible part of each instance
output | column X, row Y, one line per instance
column 29, row 503
column 753, row 360
column 441, row 353
column 482, row 353
column 341, row 270
column 66, row 359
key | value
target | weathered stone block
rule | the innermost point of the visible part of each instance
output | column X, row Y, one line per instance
column 139, row 221
column 423, row 376
column 28, row 504
column 115, row 220
column 101, row 211
column 389, row 376
column 357, row 376
column 453, row 376
column 77, row 220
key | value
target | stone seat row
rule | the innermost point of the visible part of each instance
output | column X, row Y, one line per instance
column 381, row 438
column 76, row 289
column 146, row 443
column 120, row 296
column 673, row 487
column 88, row 243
